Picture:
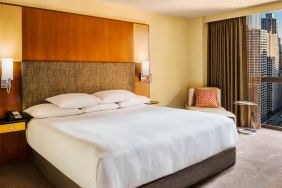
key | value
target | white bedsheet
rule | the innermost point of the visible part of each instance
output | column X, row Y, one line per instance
column 129, row 147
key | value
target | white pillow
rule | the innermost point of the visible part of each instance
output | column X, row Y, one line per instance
column 100, row 107
column 50, row 110
column 112, row 96
column 138, row 100
column 74, row 100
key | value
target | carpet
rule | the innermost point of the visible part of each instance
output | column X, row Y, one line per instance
column 259, row 163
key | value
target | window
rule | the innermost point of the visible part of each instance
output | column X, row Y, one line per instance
column 264, row 56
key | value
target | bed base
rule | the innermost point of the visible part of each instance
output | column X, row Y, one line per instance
column 183, row 178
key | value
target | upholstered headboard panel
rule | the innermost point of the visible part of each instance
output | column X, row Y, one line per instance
column 41, row 80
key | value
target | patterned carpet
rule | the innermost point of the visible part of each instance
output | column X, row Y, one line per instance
column 259, row 165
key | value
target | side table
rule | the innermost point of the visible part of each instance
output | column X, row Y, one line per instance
column 251, row 128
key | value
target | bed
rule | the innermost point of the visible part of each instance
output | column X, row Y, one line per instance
column 142, row 146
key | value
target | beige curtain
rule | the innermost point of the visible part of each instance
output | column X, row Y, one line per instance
column 227, row 64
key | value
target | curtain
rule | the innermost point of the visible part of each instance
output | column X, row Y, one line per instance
column 227, row 63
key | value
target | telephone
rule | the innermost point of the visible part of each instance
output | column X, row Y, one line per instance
column 15, row 115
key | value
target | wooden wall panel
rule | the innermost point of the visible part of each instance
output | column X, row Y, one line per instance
column 11, row 32
column 11, row 101
column 141, row 53
column 141, row 88
column 57, row 36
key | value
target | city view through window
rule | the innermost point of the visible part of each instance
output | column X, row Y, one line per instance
column 271, row 68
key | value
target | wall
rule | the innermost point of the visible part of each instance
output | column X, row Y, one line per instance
column 169, row 52
column 10, row 46
column 197, row 54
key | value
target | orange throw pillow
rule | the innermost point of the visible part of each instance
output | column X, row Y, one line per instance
column 206, row 97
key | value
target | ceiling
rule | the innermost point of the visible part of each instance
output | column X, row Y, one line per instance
column 191, row 8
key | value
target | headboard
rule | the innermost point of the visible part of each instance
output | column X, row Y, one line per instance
column 41, row 80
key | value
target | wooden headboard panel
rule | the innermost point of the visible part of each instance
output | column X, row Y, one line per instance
column 60, row 36
column 41, row 80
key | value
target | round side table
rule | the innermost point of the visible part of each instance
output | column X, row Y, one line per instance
column 249, row 106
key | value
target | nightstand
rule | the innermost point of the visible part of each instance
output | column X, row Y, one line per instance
column 12, row 141
column 152, row 102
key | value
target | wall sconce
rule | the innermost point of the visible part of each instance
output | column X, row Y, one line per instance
column 145, row 74
column 7, row 73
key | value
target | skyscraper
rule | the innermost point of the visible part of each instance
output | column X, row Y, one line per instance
column 273, row 71
column 280, row 72
column 257, row 53
column 264, row 54
column 269, row 23
column 280, row 55
column 273, row 66
column 269, row 65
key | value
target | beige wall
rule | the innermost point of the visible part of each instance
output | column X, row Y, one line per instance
column 10, row 32
column 169, row 52
column 197, row 52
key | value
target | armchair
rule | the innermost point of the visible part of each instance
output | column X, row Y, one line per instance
column 220, row 110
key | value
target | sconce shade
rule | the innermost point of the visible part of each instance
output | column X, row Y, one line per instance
column 145, row 68
column 7, row 68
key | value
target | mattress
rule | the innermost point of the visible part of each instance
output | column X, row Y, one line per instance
column 129, row 147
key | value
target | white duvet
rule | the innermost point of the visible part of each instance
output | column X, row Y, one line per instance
column 129, row 147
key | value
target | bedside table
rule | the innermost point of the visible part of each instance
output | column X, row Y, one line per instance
column 12, row 141
column 152, row 102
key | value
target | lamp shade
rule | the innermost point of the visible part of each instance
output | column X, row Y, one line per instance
column 7, row 68
column 145, row 68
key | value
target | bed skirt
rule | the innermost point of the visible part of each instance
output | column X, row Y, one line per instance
column 183, row 178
